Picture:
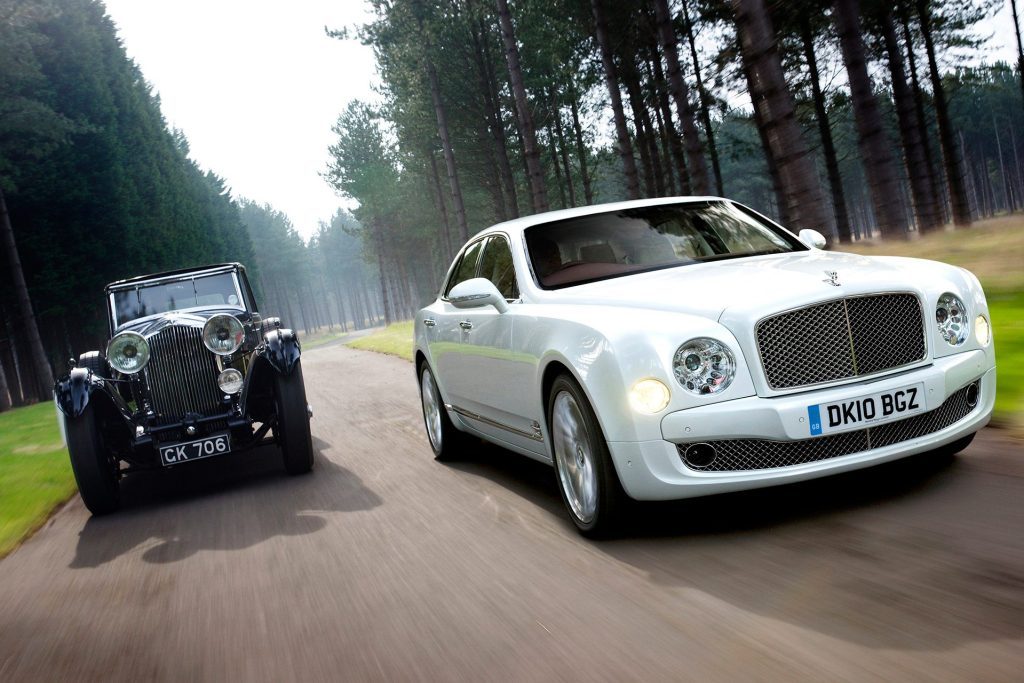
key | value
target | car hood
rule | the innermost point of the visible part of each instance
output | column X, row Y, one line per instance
column 152, row 324
column 752, row 287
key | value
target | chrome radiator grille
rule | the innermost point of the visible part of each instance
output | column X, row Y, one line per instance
column 737, row 455
column 181, row 374
column 839, row 339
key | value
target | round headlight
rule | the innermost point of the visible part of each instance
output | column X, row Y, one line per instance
column 223, row 334
column 704, row 366
column 982, row 332
column 649, row 396
column 128, row 352
column 951, row 319
column 230, row 381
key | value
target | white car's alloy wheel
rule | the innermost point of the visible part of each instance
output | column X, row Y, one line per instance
column 574, row 453
column 431, row 409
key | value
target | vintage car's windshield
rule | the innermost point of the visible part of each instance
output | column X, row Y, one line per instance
column 208, row 290
column 604, row 245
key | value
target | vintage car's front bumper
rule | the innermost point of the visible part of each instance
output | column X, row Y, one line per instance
column 655, row 470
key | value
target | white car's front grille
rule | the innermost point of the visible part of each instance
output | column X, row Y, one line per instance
column 736, row 455
column 840, row 339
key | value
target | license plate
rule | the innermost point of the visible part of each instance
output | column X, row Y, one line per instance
column 218, row 444
column 864, row 411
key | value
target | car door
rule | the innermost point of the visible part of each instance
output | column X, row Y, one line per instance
column 497, row 388
column 446, row 338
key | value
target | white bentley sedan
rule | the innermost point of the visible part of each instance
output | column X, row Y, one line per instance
column 669, row 348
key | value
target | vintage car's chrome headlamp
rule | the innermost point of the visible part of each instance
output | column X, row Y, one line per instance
column 952, row 320
column 230, row 381
column 128, row 352
column 704, row 366
column 223, row 334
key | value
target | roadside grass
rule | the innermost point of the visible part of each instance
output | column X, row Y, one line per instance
column 35, row 473
column 319, row 338
column 395, row 340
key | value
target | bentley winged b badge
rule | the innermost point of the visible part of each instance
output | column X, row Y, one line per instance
column 832, row 278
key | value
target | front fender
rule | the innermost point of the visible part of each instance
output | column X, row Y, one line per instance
column 282, row 350
column 72, row 392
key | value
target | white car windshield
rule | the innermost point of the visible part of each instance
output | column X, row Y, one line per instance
column 210, row 290
column 604, row 245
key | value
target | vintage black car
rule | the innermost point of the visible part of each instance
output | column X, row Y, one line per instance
column 191, row 371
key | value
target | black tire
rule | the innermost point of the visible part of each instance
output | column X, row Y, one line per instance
column 96, row 472
column 95, row 361
column 591, row 449
column 292, row 426
column 447, row 442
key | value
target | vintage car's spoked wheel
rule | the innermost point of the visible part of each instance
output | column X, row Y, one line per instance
column 95, row 469
column 292, row 428
column 586, row 476
column 447, row 441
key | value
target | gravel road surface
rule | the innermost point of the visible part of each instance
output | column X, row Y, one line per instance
column 385, row 565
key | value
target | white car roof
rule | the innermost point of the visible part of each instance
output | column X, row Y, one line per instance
column 517, row 225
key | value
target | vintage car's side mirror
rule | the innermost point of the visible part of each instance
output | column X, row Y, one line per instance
column 477, row 293
column 812, row 238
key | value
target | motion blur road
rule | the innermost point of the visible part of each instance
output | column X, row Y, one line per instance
column 384, row 564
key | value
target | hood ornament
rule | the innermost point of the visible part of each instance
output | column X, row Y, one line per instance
column 832, row 278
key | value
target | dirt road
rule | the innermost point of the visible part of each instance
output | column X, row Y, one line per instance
column 383, row 564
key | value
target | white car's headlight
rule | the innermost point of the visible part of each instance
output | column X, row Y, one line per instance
column 704, row 366
column 223, row 334
column 951, row 319
column 649, row 396
column 128, row 352
column 982, row 331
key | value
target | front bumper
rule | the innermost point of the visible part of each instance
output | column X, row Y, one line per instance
column 654, row 470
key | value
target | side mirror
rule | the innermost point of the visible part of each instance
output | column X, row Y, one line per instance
column 812, row 238
column 477, row 293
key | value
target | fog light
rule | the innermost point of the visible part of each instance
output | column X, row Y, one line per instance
column 982, row 331
column 973, row 392
column 649, row 396
column 699, row 454
column 230, row 381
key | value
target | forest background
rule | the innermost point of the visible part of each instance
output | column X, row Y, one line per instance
column 864, row 120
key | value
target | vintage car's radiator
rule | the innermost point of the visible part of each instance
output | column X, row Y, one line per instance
column 737, row 455
column 181, row 374
column 839, row 339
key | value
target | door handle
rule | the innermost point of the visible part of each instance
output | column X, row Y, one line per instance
column 429, row 322
column 466, row 325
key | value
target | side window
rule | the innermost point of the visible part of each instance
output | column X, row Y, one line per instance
column 496, row 266
column 467, row 267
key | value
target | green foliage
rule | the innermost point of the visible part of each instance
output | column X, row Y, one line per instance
column 394, row 340
column 35, row 472
column 99, row 188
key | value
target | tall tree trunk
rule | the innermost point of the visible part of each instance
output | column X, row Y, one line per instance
column 19, row 392
column 828, row 148
column 388, row 319
column 947, row 136
column 642, row 126
column 538, row 187
column 560, row 135
column 705, row 101
column 805, row 205
column 675, row 144
column 28, row 318
column 925, row 207
column 5, row 393
column 553, row 150
column 441, row 207
column 493, row 115
column 612, row 81
column 581, row 147
column 919, row 115
column 446, row 144
column 697, row 167
column 1020, row 46
column 879, row 167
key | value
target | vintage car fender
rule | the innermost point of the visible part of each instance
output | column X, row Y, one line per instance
column 282, row 350
column 73, row 392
